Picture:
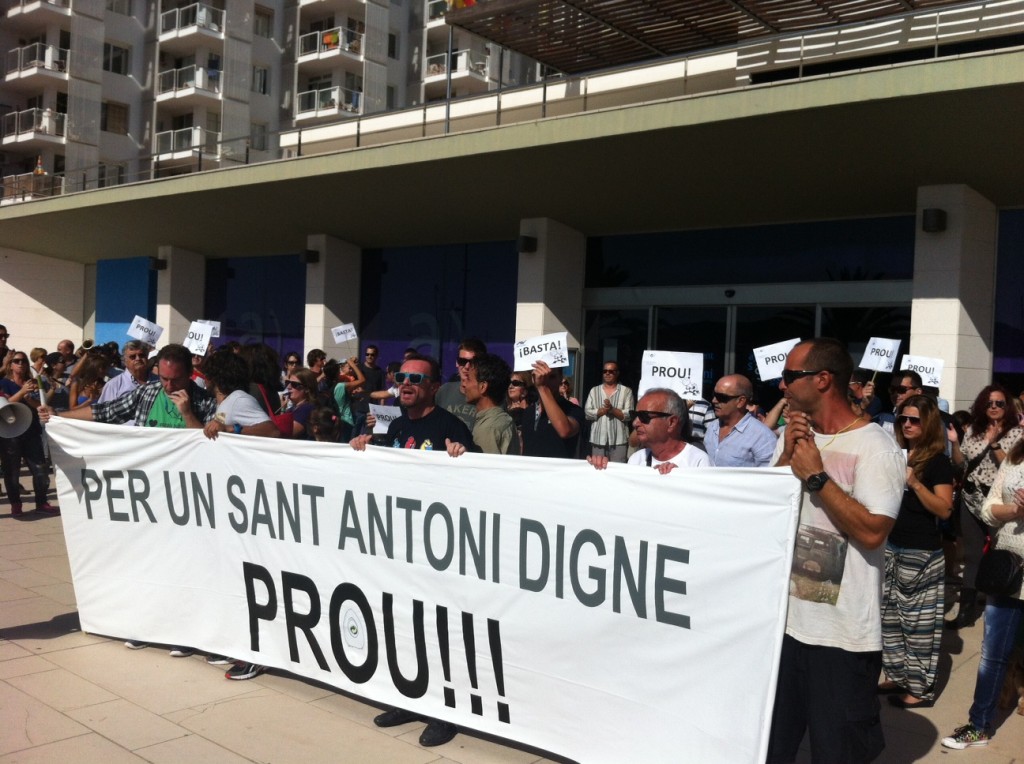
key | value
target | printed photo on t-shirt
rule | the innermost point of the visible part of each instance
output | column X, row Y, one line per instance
column 818, row 563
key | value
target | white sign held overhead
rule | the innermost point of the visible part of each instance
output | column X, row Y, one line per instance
column 880, row 354
column 384, row 415
column 930, row 369
column 145, row 331
column 682, row 372
column 344, row 333
column 215, row 327
column 552, row 349
column 197, row 339
column 771, row 359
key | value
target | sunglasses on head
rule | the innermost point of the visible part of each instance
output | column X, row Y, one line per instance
column 645, row 417
column 412, row 377
column 997, row 404
column 904, row 419
column 517, row 383
column 789, row 376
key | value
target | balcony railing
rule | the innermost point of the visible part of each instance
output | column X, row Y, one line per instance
column 329, row 99
column 20, row 188
column 195, row 15
column 462, row 61
column 198, row 77
column 436, row 9
column 45, row 121
column 37, row 55
column 338, row 38
column 188, row 139
column 22, row 3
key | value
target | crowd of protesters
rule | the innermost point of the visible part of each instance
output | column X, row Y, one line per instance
column 904, row 489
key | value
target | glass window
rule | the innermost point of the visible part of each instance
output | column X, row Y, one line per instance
column 393, row 46
column 123, row 7
column 1008, row 338
column 116, row 59
column 258, row 137
column 263, row 22
column 114, row 117
column 694, row 330
column 260, row 80
column 613, row 335
column 757, row 326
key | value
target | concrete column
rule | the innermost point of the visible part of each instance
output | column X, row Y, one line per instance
column 180, row 289
column 954, row 290
column 89, row 302
column 550, row 296
column 332, row 293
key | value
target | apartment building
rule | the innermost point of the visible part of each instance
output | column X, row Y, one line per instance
column 850, row 169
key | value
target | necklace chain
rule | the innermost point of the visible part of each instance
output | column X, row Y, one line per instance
column 840, row 432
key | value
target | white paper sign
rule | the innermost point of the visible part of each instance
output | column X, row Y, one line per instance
column 771, row 359
column 344, row 333
column 880, row 354
column 145, row 331
column 930, row 369
column 552, row 349
column 438, row 585
column 385, row 415
column 215, row 326
column 682, row 372
column 198, row 338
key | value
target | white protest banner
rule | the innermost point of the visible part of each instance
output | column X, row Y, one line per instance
column 880, row 354
column 552, row 349
column 385, row 415
column 214, row 327
column 771, row 359
column 682, row 372
column 451, row 587
column 198, row 338
column 145, row 331
column 930, row 369
column 344, row 333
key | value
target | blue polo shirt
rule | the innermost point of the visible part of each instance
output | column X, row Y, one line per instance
column 749, row 444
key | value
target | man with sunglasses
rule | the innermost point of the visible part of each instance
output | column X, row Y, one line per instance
column 551, row 426
column 374, row 383
column 736, row 438
column 906, row 385
column 854, row 476
column 136, row 372
column 452, row 395
column 425, row 426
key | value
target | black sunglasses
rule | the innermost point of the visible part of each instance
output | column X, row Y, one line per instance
column 412, row 377
column 293, row 385
column 723, row 398
column 900, row 389
column 609, row 371
column 517, row 383
column 645, row 417
column 997, row 404
column 789, row 376
column 904, row 419
column 460, row 361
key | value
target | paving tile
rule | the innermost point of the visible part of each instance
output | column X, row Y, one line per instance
column 126, row 724
column 27, row 577
column 56, row 566
column 32, row 550
column 21, row 535
column 6, row 564
column 61, row 689
column 33, row 664
column 58, row 592
column 27, row 722
column 31, row 613
column 470, row 749
column 193, row 749
column 283, row 730
column 294, row 687
column 11, row 651
column 10, row 591
column 85, row 749
column 357, row 711
column 55, row 640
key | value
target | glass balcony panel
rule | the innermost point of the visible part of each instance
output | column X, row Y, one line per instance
column 307, row 101
column 436, row 9
column 309, row 43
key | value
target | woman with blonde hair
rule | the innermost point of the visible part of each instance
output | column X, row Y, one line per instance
column 914, row 563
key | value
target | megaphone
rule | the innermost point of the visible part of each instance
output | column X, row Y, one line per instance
column 15, row 418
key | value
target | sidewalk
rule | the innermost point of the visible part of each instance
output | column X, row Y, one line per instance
column 67, row 696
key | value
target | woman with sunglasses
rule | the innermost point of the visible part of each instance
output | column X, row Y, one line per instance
column 19, row 387
column 914, row 563
column 301, row 389
column 993, row 431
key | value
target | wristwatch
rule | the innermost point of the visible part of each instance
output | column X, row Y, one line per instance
column 816, row 482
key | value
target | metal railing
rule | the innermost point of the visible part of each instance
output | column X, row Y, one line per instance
column 331, row 100
column 45, row 121
column 201, row 78
column 338, row 38
column 436, row 9
column 195, row 15
column 22, row 3
column 187, row 139
column 37, row 55
column 29, row 185
column 462, row 61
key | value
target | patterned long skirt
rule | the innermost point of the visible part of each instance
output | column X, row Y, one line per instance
column 912, row 618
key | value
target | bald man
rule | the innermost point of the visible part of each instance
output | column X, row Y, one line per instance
column 735, row 438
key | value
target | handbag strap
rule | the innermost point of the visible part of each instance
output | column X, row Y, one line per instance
column 263, row 392
column 973, row 463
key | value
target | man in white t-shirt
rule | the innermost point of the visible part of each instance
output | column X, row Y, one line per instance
column 661, row 425
column 237, row 411
column 853, row 475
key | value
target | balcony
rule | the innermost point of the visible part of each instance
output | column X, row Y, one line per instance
column 34, row 128
column 176, row 148
column 328, row 46
column 28, row 186
column 181, row 28
column 328, row 102
column 30, row 14
column 436, row 9
column 188, row 85
column 36, row 59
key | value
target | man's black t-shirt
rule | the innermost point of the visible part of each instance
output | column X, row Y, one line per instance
column 540, row 437
column 429, row 433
